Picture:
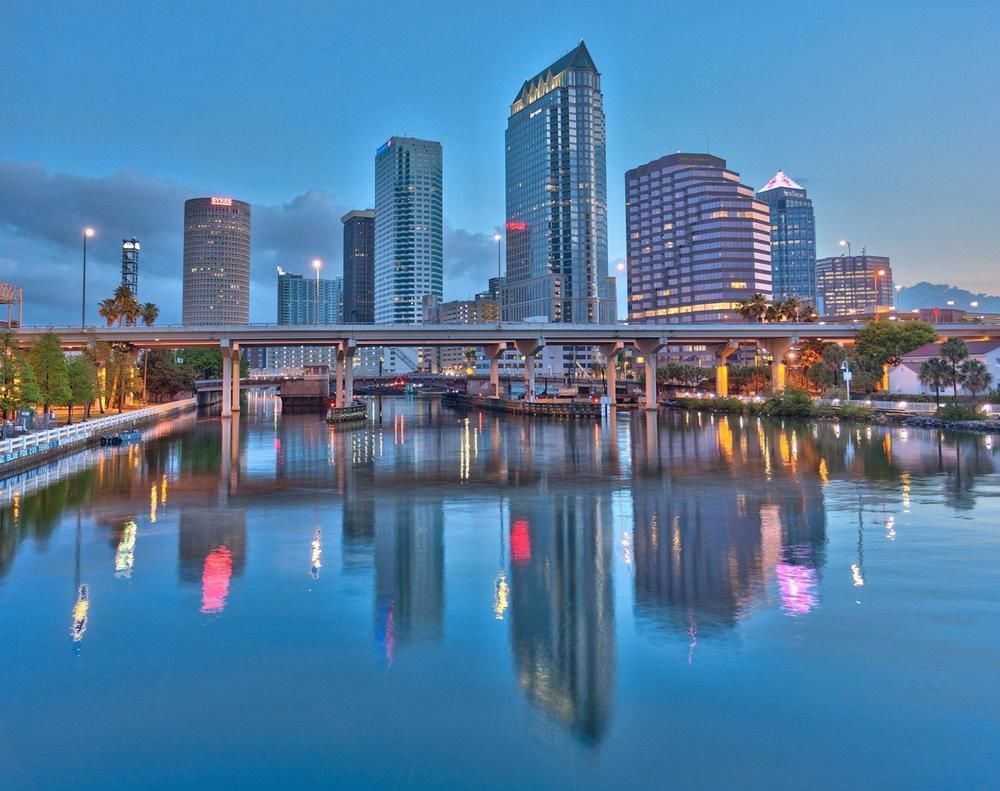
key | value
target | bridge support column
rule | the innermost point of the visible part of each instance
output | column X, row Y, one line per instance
column 494, row 351
column 235, row 395
column 610, row 352
column 349, row 376
column 227, row 380
column 778, row 347
column 339, row 384
column 722, row 368
column 529, row 348
column 649, row 347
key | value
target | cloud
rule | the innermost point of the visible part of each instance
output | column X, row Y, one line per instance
column 42, row 215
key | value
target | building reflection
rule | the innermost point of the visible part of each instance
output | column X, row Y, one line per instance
column 409, row 572
column 212, row 548
column 561, row 607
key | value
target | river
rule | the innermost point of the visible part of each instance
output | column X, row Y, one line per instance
column 458, row 599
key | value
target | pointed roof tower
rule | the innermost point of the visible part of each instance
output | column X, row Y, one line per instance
column 781, row 181
column 576, row 59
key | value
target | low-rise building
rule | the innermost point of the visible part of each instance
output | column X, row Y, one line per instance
column 904, row 378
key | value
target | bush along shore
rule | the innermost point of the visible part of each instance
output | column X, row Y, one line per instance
column 798, row 403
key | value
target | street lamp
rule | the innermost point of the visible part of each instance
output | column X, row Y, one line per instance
column 878, row 273
column 896, row 304
column 317, row 265
column 974, row 304
column 847, row 244
column 87, row 233
column 496, row 238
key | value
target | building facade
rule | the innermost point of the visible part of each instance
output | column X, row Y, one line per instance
column 699, row 242
column 481, row 310
column 216, row 261
column 359, row 267
column 556, row 197
column 309, row 300
column 849, row 285
column 793, row 239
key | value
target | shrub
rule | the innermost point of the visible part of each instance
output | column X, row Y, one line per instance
column 790, row 403
column 855, row 412
column 958, row 412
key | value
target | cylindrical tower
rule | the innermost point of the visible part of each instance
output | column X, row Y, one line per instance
column 130, row 265
column 216, row 261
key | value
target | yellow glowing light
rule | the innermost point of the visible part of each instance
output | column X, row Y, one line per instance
column 316, row 554
column 81, row 610
column 88, row 232
column 125, row 554
column 857, row 575
column 501, row 596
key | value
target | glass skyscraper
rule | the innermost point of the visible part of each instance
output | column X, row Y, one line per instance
column 409, row 259
column 793, row 239
column 557, row 204
column 298, row 302
column 854, row 285
column 698, row 241
column 359, row 267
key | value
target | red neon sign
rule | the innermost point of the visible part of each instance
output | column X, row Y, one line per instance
column 520, row 542
column 222, row 201
column 517, row 226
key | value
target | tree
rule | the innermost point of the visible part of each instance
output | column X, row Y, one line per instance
column 976, row 377
column 18, row 387
column 49, row 365
column 108, row 310
column 754, row 308
column 129, row 308
column 164, row 377
column 954, row 350
column 935, row 373
column 885, row 342
column 150, row 313
column 82, row 385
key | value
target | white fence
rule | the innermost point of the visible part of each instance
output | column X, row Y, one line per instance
column 37, row 441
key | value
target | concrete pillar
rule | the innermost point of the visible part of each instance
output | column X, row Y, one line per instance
column 722, row 369
column 493, row 351
column 227, row 380
column 649, row 347
column 349, row 376
column 236, row 378
column 529, row 348
column 340, row 378
column 610, row 352
column 778, row 347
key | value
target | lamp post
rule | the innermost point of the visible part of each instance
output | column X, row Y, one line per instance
column 847, row 244
column 896, row 301
column 317, row 265
column 497, row 238
column 87, row 233
column 878, row 273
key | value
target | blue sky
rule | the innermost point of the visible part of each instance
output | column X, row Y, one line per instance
column 112, row 113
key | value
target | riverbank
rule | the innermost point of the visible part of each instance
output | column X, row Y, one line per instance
column 42, row 447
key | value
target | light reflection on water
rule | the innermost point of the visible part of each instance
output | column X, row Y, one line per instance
column 404, row 599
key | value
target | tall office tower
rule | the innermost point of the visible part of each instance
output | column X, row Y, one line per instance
column 408, row 238
column 850, row 285
column 793, row 239
column 557, row 203
column 359, row 267
column 130, row 265
column 309, row 300
column 298, row 304
column 698, row 240
column 216, row 261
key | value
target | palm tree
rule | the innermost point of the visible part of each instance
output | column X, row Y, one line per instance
column 976, row 377
column 790, row 308
column 108, row 310
column 773, row 313
column 150, row 313
column 935, row 373
column 128, row 306
column 954, row 351
column 754, row 308
column 809, row 314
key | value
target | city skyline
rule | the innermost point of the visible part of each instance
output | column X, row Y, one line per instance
column 124, row 185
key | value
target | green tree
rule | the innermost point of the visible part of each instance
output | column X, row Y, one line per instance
column 150, row 313
column 936, row 373
column 954, row 350
column 976, row 377
column 49, row 365
column 754, row 308
column 164, row 377
column 18, row 387
column 129, row 308
column 82, row 385
column 885, row 342
column 108, row 310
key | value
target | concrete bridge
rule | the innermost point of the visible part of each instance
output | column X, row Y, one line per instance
column 526, row 339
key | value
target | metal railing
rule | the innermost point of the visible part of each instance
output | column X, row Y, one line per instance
column 16, row 447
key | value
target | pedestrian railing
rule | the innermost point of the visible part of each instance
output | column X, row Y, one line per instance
column 37, row 441
column 902, row 405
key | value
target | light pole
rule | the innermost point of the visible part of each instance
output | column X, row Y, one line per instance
column 317, row 265
column 847, row 244
column 896, row 302
column 497, row 238
column 878, row 273
column 87, row 233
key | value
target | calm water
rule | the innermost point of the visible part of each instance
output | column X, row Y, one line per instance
column 451, row 599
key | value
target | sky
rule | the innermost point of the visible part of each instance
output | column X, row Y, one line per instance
column 112, row 114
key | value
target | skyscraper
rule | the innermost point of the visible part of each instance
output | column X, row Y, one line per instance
column 359, row 267
column 793, row 239
column 298, row 302
column 849, row 285
column 557, row 204
column 216, row 261
column 698, row 240
column 408, row 228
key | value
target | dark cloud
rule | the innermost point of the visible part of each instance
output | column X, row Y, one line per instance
column 42, row 215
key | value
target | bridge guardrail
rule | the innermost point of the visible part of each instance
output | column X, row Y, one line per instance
column 27, row 444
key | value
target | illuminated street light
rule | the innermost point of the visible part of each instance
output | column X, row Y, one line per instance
column 317, row 265
column 87, row 233
column 847, row 244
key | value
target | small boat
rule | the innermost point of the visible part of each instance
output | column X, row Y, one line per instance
column 132, row 435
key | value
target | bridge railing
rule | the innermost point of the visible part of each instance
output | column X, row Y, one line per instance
column 43, row 440
column 902, row 405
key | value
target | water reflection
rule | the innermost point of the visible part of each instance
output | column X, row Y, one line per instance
column 212, row 548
